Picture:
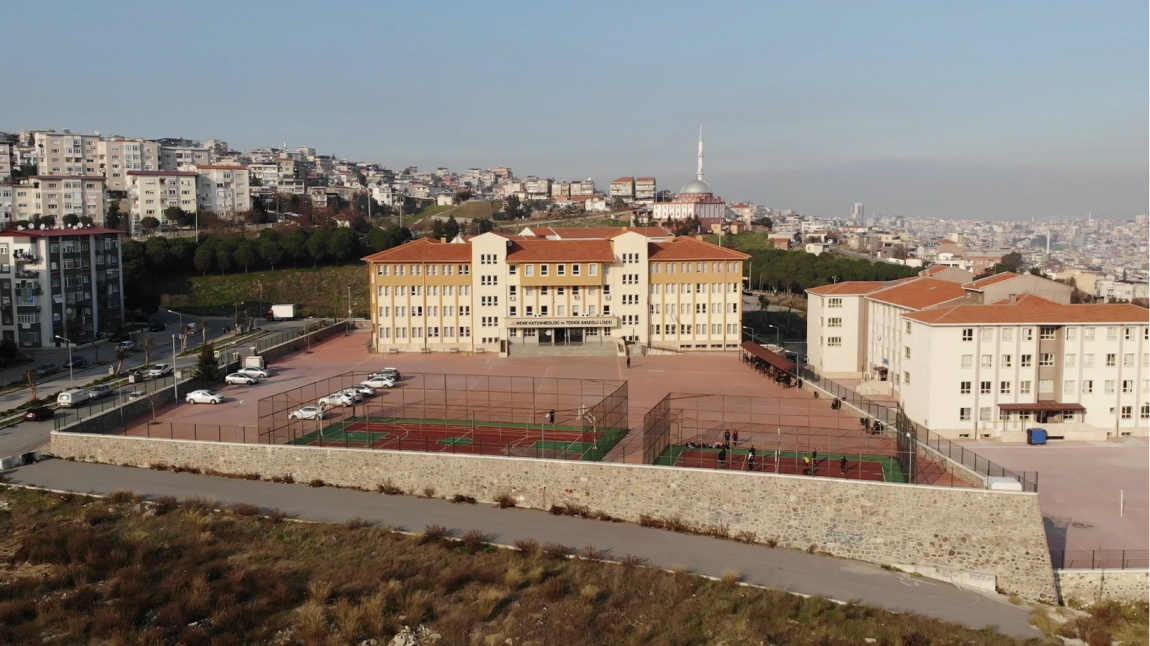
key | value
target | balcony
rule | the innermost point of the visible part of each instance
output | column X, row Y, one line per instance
column 25, row 257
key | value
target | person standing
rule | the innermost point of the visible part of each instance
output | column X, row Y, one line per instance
column 628, row 361
column 843, row 464
column 727, row 437
column 722, row 458
column 735, row 437
column 551, row 417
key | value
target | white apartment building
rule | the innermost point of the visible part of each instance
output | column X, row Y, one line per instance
column 623, row 188
column 63, row 282
column 60, row 196
column 177, row 157
column 6, row 195
column 645, row 189
column 7, row 160
column 534, row 294
column 223, row 190
column 986, row 358
column 151, row 192
column 66, row 154
column 119, row 156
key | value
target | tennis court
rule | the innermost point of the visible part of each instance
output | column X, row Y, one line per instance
column 451, row 436
column 858, row 467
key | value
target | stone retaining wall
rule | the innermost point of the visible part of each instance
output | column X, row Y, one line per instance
column 1091, row 586
column 993, row 533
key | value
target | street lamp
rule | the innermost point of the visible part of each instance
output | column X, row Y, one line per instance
column 753, row 337
column 175, row 379
column 70, row 364
column 179, row 315
column 776, row 334
column 347, row 328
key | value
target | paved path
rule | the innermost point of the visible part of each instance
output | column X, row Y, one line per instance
column 776, row 568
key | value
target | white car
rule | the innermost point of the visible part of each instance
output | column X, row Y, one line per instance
column 308, row 412
column 126, row 346
column 353, row 393
column 337, row 399
column 258, row 373
column 241, row 379
column 157, row 371
column 366, row 391
column 377, row 382
column 204, row 397
column 386, row 373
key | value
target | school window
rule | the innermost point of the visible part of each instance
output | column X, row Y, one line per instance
column 1004, row 387
column 576, row 270
column 1071, row 334
column 1070, row 359
column 1108, row 387
column 1046, row 359
column 1008, row 334
column 1111, row 360
column 987, row 334
column 544, row 270
column 529, row 270
column 1128, row 360
column 1026, row 361
column 906, row 377
column 835, row 341
column 1088, row 361
column 987, row 361
column 1145, row 411
column 1045, row 386
column 1028, row 334
column 984, row 387
column 1088, row 334
column 906, row 352
column 1127, row 412
column 560, row 270
column 1087, row 386
column 968, row 334
column 834, row 322
column 834, row 302
column 964, row 414
column 984, row 413
column 964, row 388
column 1007, row 361
column 1024, row 387
column 1046, row 333
column 1111, row 334
column 1127, row 386
column 908, row 327
column 967, row 360
column 593, row 269
column 1069, row 387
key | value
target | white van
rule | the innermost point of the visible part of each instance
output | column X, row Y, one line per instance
column 70, row 398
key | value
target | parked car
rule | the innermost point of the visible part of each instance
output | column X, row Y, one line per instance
column 238, row 378
column 46, row 369
column 258, row 373
column 74, row 397
column 102, row 390
column 337, row 399
column 204, row 397
column 38, row 413
column 126, row 346
column 366, row 391
column 157, row 371
column 156, row 326
column 122, row 335
column 308, row 412
column 355, row 395
column 389, row 373
column 378, row 382
column 137, row 394
column 76, row 362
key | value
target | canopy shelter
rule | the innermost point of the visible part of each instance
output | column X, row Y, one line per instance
column 772, row 363
column 1046, row 411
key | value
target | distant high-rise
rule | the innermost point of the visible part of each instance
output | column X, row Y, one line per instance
column 857, row 212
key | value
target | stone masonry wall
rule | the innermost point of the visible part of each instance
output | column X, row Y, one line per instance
column 1090, row 586
column 996, row 533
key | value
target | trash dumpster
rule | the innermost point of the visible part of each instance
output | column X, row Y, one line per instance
column 1035, row 436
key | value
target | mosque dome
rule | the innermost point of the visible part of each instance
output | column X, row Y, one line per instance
column 695, row 186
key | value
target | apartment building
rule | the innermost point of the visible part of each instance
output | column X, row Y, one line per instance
column 645, row 189
column 66, row 154
column 987, row 358
column 623, row 188
column 583, row 189
column 179, row 156
column 223, row 190
column 533, row 293
column 63, row 282
column 118, row 156
column 6, row 195
column 60, row 196
column 7, row 160
column 151, row 192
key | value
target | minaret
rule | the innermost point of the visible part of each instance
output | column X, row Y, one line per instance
column 699, row 175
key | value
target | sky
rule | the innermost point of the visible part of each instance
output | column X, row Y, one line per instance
column 996, row 109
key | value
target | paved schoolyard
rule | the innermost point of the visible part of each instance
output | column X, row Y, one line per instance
column 1080, row 485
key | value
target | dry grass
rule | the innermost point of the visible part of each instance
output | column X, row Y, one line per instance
column 219, row 578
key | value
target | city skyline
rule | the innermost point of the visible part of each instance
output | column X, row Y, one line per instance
column 1011, row 113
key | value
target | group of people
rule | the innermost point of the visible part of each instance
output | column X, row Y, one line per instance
column 874, row 428
column 786, row 379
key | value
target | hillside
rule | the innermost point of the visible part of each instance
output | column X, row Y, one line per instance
column 323, row 292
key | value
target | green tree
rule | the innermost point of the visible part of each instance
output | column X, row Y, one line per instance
column 224, row 258
column 436, row 229
column 451, row 228
column 295, row 244
column 87, row 220
column 462, row 196
column 149, row 223
column 246, row 254
column 343, row 244
column 174, row 215
column 482, row 225
column 317, row 246
column 271, row 248
column 512, row 209
column 181, row 250
column 204, row 258
column 158, row 255
column 8, row 351
column 71, row 220
column 207, row 370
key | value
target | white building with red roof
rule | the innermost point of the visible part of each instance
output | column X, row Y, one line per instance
column 694, row 200
column 558, row 291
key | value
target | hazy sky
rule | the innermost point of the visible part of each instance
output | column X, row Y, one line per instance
column 948, row 108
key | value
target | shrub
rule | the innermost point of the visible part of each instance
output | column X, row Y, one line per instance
column 772, row 542
column 556, row 551
column 183, row 469
column 473, row 540
column 429, row 492
column 388, row 488
column 244, row 509
column 164, row 504
column 316, row 483
column 505, row 501
column 123, row 496
column 631, row 560
column 198, row 504
column 462, row 499
column 527, row 546
column 277, row 516
column 285, row 479
column 731, row 578
column 592, row 553
column 358, row 523
column 434, row 533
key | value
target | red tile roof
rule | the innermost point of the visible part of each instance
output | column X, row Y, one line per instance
column 919, row 293
column 424, row 250
column 93, row 178
column 219, row 167
column 624, row 179
column 686, row 248
column 1030, row 309
column 930, row 271
column 161, row 173
column 560, row 251
column 849, row 288
column 977, row 285
column 55, row 233
column 599, row 233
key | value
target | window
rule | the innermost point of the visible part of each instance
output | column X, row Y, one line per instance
column 529, row 270
column 1088, row 334
column 560, row 270
column 1127, row 386
column 907, row 330
column 834, row 302
column 1028, row 334
column 986, row 334
column 906, row 377
column 1127, row 412
column 1046, row 359
column 1069, row 387
column 1004, row 387
column 1071, row 334
column 1111, row 360
column 987, row 361
column 593, row 269
column 544, row 270
column 576, row 270
column 964, row 414
column 1145, row 411
column 1070, row 359
column 1026, row 361
column 1088, row 361
column 967, row 360
column 1128, row 360
column 1087, row 386
column 1008, row 334
column 1045, row 386
column 1007, row 361
column 1108, row 387
column 964, row 387
column 1024, row 387
column 835, row 341
column 1111, row 334
column 984, row 413
column 906, row 352
column 834, row 322
column 968, row 334
column 1046, row 332
column 984, row 387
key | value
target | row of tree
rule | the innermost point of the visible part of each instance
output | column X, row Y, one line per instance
column 796, row 271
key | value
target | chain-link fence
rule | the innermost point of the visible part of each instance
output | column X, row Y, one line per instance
column 1100, row 559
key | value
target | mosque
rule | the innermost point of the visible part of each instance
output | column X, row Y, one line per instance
column 695, row 199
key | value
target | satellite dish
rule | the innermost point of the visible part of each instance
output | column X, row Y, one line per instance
column 43, row 226
column 20, row 228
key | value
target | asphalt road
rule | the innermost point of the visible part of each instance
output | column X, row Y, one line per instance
column 780, row 569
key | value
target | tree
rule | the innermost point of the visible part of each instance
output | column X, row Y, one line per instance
column 71, row 220
column 204, row 258
column 207, row 369
column 9, row 351
column 175, row 215
column 451, row 228
column 343, row 244
column 482, row 225
column 158, row 255
column 271, row 249
column 246, row 254
column 437, row 228
column 295, row 244
column 462, row 196
column 147, row 345
column 512, row 209
column 764, row 222
column 149, row 223
column 317, row 246
column 87, row 220
column 224, row 258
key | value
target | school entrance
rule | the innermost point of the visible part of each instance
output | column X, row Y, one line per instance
column 551, row 336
